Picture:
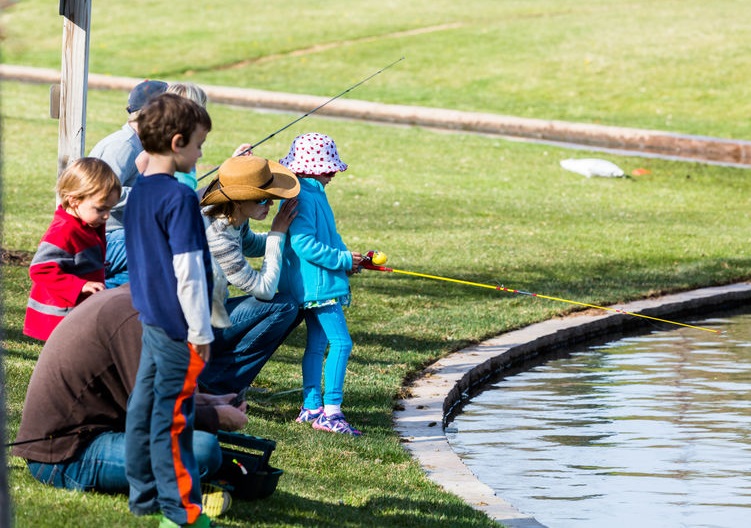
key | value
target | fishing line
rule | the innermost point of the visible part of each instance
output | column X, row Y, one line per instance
column 275, row 395
column 285, row 127
column 46, row 438
column 372, row 256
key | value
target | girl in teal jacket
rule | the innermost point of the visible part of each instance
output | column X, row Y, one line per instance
column 316, row 273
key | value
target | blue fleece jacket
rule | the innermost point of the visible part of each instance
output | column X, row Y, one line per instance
column 316, row 260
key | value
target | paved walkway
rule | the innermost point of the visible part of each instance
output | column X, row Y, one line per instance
column 449, row 381
column 620, row 140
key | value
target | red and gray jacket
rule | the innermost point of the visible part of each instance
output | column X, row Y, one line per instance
column 70, row 254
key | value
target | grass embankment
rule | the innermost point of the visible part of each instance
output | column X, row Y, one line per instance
column 475, row 208
column 678, row 65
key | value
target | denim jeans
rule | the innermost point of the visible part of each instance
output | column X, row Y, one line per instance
column 239, row 352
column 116, row 273
column 101, row 466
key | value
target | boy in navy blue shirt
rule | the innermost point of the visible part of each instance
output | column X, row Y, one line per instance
column 170, row 277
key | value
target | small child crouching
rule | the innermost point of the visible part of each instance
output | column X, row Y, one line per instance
column 69, row 263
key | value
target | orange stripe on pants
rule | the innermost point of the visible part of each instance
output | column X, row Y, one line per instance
column 184, row 480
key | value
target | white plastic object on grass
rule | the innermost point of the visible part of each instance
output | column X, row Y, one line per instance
column 593, row 167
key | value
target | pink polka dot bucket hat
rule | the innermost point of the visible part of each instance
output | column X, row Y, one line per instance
column 313, row 154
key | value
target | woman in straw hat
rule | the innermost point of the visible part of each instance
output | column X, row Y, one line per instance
column 252, row 326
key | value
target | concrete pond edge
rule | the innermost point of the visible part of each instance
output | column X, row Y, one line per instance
column 421, row 418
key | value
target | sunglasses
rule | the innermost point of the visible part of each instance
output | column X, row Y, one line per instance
column 259, row 202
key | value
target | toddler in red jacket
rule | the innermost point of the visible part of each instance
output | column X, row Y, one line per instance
column 69, row 263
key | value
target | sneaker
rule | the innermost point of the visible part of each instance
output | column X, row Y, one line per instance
column 215, row 499
column 203, row 521
column 308, row 415
column 335, row 423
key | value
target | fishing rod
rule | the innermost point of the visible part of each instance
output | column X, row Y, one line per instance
column 374, row 260
column 285, row 127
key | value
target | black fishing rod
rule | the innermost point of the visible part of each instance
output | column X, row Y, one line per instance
column 285, row 127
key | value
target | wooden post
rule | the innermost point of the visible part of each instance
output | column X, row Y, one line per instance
column 74, row 76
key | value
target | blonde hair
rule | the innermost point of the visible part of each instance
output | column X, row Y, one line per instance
column 190, row 91
column 84, row 178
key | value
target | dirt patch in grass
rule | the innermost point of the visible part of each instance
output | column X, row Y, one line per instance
column 12, row 257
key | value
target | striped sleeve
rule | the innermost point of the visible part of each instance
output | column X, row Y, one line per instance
column 229, row 246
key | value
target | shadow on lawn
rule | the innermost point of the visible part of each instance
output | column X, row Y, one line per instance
column 15, row 335
column 385, row 510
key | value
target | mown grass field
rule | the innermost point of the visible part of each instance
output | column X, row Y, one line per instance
column 472, row 207
column 670, row 65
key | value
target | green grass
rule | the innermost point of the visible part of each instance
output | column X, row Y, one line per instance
column 471, row 207
column 677, row 65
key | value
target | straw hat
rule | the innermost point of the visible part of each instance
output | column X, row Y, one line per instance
column 250, row 178
column 313, row 154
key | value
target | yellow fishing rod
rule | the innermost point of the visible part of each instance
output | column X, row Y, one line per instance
column 375, row 260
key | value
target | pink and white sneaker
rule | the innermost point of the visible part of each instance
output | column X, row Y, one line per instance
column 336, row 423
column 308, row 415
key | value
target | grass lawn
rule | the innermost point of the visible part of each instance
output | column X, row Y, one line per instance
column 678, row 65
column 471, row 207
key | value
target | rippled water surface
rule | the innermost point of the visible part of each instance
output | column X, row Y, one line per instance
column 648, row 431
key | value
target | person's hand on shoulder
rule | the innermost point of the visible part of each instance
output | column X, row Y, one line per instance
column 287, row 213
column 142, row 161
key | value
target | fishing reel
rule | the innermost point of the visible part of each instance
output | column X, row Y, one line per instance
column 374, row 260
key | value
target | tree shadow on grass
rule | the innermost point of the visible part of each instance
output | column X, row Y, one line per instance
column 384, row 510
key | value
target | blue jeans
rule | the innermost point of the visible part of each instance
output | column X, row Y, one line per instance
column 327, row 327
column 239, row 352
column 159, row 460
column 116, row 273
column 101, row 466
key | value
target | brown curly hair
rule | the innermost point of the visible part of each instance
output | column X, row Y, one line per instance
column 166, row 116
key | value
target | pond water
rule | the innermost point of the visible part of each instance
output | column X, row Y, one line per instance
column 646, row 431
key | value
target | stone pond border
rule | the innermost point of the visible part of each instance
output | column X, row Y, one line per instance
column 447, row 383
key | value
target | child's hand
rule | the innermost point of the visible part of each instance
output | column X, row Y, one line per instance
column 204, row 351
column 243, row 150
column 356, row 261
column 284, row 217
column 92, row 287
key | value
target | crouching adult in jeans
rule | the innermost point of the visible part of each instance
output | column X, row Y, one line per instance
column 72, row 431
column 256, row 323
